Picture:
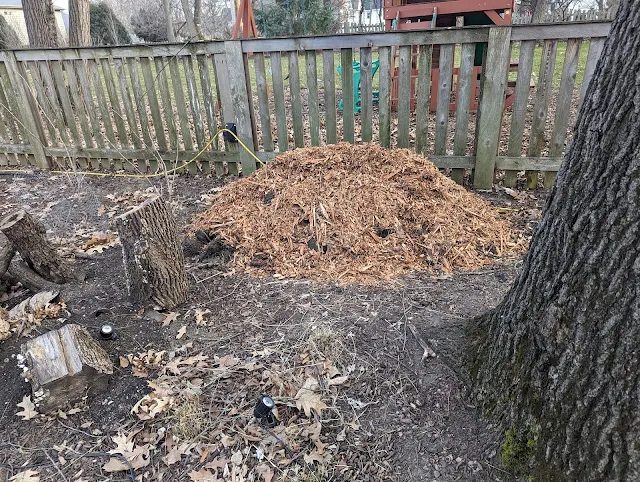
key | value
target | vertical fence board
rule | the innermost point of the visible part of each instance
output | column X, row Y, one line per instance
column 463, row 99
column 444, row 94
column 595, row 49
column 239, row 94
column 207, row 94
column 366, row 94
column 563, row 106
column 105, row 116
column 134, row 131
column 78, row 103
column 48, row 116
column 519, row 108
column 194, row 101
column 162, row 66
column 252, row 111
column 181, row 103
column 329, row 91
column 52, row 97
column 114, row 102
column 347, row 95
column 541, row 106
column 152, row 100
column 263, row 101
column 278, row 99
column 312, row 98
column 296, row 101
column 384, row 104
column 65, row 101
column 218, row 166
column 88, row 101
column 404, row 95
column 7, row 126
column 423, row 97
column 490, row 106
column 138, row 95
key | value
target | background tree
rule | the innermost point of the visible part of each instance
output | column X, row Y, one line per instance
column 296, row 17
column 8, row 37
column 79, row 23
column 168, row 19
column 150, row 25
column 41, row 24
column 558, row 361
column 106, row 29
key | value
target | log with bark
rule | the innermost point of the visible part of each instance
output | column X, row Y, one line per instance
column 28, row 237
column 64, row 366
column 6, row 254
column 153, row 258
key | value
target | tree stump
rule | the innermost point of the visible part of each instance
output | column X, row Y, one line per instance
column 29, row 239
column 6, row 254
column 153, row 258
column 65, row 365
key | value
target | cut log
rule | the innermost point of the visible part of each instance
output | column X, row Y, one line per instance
column 29, row 238
column 153, row 258
column 64, row 366
column 6, row 254
column 19, row 271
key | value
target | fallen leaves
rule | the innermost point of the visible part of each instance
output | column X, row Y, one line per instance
column 28, row 408
column 26, row 476
column 100, row 241
column 136, row 456
column 24, row 317
column 307, row 399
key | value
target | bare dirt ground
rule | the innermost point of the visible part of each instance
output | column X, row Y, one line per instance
column 389, row 416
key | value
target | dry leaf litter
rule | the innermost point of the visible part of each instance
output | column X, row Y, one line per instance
column 355, row 213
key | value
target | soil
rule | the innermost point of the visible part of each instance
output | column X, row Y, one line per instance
column 416, row 423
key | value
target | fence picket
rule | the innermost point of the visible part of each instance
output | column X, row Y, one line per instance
column 366, row 94
column 88, row 102
column 138, row 96
column 194, row 102
column 404, row 96
column 132, row 123
column 114, row 102
column 490, row 106
column 181, row 104
column 348, row 125
column 563, row 106
column 152, row 100
column 312, row 98
column 463, row 99
column 595, row 49
column 541, row 106
column 207, row 94
column 42, row 101
column 384, row 104
column 278, row 100
column 444, row 94
column 423, row 97
column 329, row 91
column 94, row 68
column 519, row 109
column 80, row 110
column 296, row 101
column 263, row 101
column 162, row 67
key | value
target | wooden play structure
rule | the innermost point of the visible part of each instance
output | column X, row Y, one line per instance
column 421, row 15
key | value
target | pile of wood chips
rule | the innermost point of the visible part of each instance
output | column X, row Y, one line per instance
column 355, row 213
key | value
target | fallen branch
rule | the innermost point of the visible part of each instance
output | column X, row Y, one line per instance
column 31, row 280
column 428, row 351
column 7, row 250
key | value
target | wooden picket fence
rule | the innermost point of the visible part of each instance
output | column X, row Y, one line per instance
column 150, row 108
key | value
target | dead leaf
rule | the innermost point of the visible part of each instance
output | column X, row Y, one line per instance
column 169, row 317
column 138, row 458
column 26, row 476
column 172, row 457
column 124, row 362
column 236, row 458
column 99, row 242
column 202, row 475
column 181, row 332
column 200, row 319
column 266, row 472
column 307, row 399
column 28, row 408
column 216, row 464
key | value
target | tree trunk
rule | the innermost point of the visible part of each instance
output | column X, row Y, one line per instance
column 171, row 36
column 153, row 259
column 40, row 19
column 558, row 361
column 79, row 33
column 538, row 10
column 29, row 238
column 197, row 18
column 188, row 15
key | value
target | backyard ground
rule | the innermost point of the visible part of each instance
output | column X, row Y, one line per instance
column 388, row 415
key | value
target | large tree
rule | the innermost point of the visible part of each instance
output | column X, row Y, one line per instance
column 106, row 28
column 79, row 23
column 40, row 20
column 558, row 361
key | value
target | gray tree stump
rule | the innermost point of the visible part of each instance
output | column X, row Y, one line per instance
column 153, row 258
column 28, row 237
column 64, row 366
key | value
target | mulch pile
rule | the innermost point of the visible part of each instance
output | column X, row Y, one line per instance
column 355, row 213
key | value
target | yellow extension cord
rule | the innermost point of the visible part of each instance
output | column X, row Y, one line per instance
column 157, row 174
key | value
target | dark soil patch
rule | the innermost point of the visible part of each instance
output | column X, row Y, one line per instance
column 416, row 423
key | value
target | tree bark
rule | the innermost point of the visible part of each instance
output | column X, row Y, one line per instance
column 153, row 259
column 6, row 254
column 197, row 18
column 29, row 238
column 188, row 15
column 171, row 35
column 558, row 361
column 79, row 23
column 40, row 20
column 19, row 271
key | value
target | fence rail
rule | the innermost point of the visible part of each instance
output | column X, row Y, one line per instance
column 148, row 108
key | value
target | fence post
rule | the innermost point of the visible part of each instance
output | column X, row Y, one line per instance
column 490, row 108
column 240, row 99
column 31, row 128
